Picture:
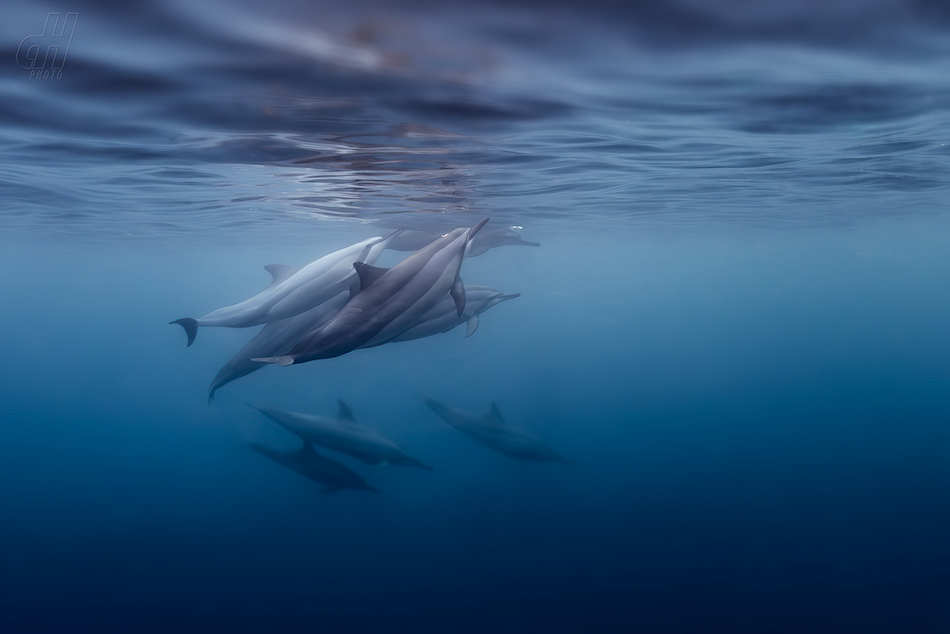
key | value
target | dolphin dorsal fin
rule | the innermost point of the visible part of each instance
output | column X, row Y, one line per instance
column 495, row 415
column 280, row 272
column 346, row 413
column 368, row 273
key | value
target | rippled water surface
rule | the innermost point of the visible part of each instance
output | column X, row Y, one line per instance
column 735, row 322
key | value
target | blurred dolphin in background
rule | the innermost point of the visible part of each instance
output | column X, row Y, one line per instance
column 492, row 431
column 342, row 434
column 308, row 463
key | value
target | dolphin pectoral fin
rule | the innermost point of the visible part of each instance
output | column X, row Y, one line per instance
column 495, row 415
column 458, row 295
column 345, row 412
column 191, row 328
column 471, row 326
column 368, row 273
column 282, row 361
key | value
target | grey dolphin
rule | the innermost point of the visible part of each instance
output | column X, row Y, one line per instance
column 393, row 298
column 342, row 434
column 443, row 317
column 414, row 239
column 308, row 463
column 275, row 338
column 292, row 291
column 492, row 431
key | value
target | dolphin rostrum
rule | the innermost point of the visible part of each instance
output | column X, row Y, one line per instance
column 342, row 434
column 493, row 432
column 443, row 317
column 308, row 463
column 292, row 291
column 392, row 298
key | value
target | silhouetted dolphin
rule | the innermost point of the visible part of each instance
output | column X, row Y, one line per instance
column 414, row 239
column 443, row 317
column 307, row 462
column 292, row 291
column 494, row 433
column 275, row 338
column 390, row 298
column 342, row 434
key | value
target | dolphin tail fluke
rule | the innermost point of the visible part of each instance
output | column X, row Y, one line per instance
column 191, row 328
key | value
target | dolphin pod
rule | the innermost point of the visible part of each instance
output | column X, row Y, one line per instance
column 292, row 291
column 344, row 435
column 308, row 463
column 492, row 431
column 277, row 338
column 343, row 302
column 391, row 300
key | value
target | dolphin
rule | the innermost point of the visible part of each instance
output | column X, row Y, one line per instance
column 443, row 317
column 342, row 434
column 389, row 298
column 493, row 432
column 293, row 290
column 415, row 239
column 308, row 463
column 275, row 338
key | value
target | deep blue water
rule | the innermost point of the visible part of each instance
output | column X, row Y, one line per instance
column 735, row 325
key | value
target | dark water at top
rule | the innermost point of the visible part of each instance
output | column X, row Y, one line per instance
column 735, row 325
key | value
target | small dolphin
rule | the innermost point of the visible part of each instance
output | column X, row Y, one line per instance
column 415, row 239
column 390, row 298
column 292, row 291
column 275, row 338
column 494, row 433
column 443, row 317
column 308, row 463
column 342, row 434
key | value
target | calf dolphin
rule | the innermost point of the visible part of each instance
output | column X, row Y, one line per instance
column 308, row 463
column 390, row 298
column 275, row 338
column 342, row 434
column 493, row 432
column 292, row 291
column 443, row 317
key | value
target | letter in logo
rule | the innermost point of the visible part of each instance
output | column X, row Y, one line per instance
column 56, row 34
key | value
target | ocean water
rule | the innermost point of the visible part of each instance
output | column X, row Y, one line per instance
column 735, row 325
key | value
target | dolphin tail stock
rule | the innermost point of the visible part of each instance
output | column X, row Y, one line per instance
column 191, row 328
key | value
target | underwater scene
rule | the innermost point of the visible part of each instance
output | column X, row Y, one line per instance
column 458, row 317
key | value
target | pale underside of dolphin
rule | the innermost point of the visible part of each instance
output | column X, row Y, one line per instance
column 344, row 435
column 492, row 431
column 292, row 291
column 395, row 298
column 310, row 464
